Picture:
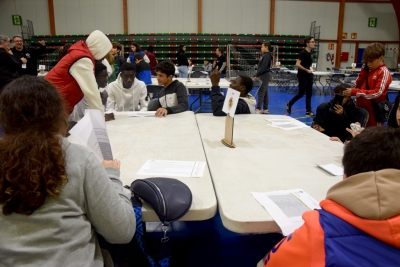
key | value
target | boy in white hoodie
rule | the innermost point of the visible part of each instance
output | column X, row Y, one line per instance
column 127, row 92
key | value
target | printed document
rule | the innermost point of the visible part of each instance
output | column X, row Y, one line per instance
column 231, row 101
column 173, row 168
column 142, row 114
column 287, row 124
column 286, row 207
column 332, row 169
column 91, row 132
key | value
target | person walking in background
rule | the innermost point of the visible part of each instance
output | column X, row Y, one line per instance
column 305, row 77
column 153, row 61
column 264, row 75
column 27, row 56
column 220, row 63
column 9, row 65
column 183, row 63
column 135, row 48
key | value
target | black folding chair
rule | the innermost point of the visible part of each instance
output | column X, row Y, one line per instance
column 153, row 90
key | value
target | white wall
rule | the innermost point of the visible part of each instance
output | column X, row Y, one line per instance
column 34, row 10
column 162, row 16
column 84, row 16
column 236, row 16
column 295, row 17
column 356, row 20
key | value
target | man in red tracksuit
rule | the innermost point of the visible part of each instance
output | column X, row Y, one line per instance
column 379, row 79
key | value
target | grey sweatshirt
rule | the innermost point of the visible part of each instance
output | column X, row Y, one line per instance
column 62, row 232
column 174, row 98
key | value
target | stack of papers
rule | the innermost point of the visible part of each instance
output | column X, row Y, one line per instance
column 332, row 169
column 142, row 114
column 286, row 207
column 173, row 168
column 287, row 124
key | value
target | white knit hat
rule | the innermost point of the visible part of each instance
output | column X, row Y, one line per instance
column 98, row 44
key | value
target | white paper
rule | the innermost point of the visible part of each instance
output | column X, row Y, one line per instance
column 91, row 132
column 287, row 124
column 332, row 169
column 23, row 66
column 142, row 114
column 42, row 67
column 231, row 101
column 286, row 207
column 173, row 168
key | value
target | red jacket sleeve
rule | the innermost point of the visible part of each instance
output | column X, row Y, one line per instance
column 305, row 247
column 378, row 86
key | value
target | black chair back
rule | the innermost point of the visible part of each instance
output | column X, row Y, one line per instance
column 196, row 74
column 153, row 90
column 197, row 68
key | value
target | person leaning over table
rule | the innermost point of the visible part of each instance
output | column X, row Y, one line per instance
column 243, row 84
column 8, row 64
column 359, row 221
column 173, row 97
column 55, row 196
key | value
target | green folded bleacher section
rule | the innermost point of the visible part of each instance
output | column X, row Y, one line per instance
column 199, row 46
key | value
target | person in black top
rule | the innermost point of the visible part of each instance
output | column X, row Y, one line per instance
column 8, row 64
column 220, row 64
column 305, row 77
column 264, row 74
column 27, row 56
column 183, row 62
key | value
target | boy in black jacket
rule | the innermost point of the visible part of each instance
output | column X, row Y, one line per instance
column 264, row 75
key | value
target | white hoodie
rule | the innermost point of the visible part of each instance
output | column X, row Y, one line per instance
column 122, row 99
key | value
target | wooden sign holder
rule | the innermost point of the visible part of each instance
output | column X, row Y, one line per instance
column 228, row 140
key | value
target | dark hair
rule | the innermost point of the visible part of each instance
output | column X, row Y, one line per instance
column 220, row 49
column 373, row 51
column 181, row 48
column 138, row 56
column 127, row 66
column 374, row 149
column 117, row 45
column 247, row 82
column 166, row 67
column 32, row 114
column 268, row 44
column 99, row 68
column 340, row 88
column 63, row 51
column 392, row 120
column 138, row 48
column 150, row 48
column 308, row 39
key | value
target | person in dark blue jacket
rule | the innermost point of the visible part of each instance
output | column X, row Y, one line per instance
column 143, row 69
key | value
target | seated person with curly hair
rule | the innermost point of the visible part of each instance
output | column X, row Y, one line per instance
column 55, row 196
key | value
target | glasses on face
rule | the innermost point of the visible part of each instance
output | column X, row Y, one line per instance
column 19, row 41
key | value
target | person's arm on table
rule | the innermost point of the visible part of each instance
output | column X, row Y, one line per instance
column 82, row 71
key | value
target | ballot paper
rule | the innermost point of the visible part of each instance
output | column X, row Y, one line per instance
column 231, row 101
column 173, row 168
column 91, row 132
column 286, row 207
column 287, row 124
column 142, row 114
column 332, row 169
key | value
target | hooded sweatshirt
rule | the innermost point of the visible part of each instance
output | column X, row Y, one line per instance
column 122, row 99
column 362, row 229
column 246, row 105
column 82, row 70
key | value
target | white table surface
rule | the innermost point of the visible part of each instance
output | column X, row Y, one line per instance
column 265, row 159
column 317, row 73
column 134, row 140
column 394, row 86
column 197, row 82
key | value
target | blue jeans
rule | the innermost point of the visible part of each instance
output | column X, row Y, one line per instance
column 222, row 75
column 183, row 71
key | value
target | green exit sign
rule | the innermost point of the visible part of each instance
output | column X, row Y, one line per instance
column 17, row 20
column 372, row 22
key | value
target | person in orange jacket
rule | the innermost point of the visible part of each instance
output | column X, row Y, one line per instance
column 373, row 81
column 359, row 221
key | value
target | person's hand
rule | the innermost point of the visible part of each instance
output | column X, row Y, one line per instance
column 309, row 71
column 334, row 138
column 161, row 112
column 347, row 92
column 354, row 133
column 43, row 42
column 338, row 109
column 109, row 116
column 215, row 77
column 116, row 164
column 255, row 78
column 24, row 60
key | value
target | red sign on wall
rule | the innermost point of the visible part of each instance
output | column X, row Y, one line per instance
column 331, row 46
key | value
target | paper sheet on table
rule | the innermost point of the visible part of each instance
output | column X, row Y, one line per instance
column 91, row 132
column 231, row 101
column 142, row 114
column 173, row 168
column 286, row 207
column 287, row 124
column 332, row 169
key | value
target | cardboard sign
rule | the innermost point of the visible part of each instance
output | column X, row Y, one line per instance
column 231, row 101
